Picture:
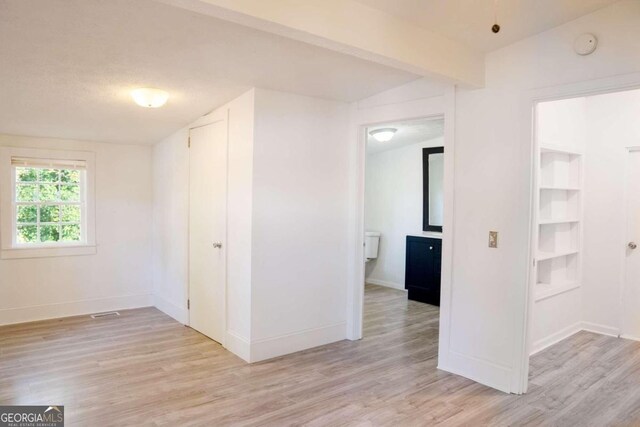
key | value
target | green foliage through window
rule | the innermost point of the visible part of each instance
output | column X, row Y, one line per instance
column 70, row 193
column 49, row 233
column 28, row 213
column 70, row 213
column 27, row 234
column 49, row 213
column 71, row 232
column 26, row 174
column 48, row 205
column 68, row 175
column 26, row 193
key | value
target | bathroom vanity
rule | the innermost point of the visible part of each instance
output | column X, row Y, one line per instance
column 423, row 265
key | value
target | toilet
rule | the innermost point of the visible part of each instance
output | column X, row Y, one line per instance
column 371, row 241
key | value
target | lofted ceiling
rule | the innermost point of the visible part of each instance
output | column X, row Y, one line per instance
column 408, row 132
column 68, row 67
column 470, row 21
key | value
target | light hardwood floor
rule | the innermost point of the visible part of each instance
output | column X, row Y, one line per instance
column 143, row 368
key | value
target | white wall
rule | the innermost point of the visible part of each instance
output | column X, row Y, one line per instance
column 119, row 275
column 240, row 223
column 494, row 124
column 287, row 223
column 300, row 223
column 613, row 124
column 562, row 123
column 393, row 206
column 171, row 225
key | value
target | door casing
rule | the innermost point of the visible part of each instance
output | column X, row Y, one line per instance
column 528, row 106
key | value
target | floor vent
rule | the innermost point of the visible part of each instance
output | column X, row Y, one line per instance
column 107, row 314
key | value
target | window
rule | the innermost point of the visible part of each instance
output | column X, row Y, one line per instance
column 48, row 201
column 46, row 209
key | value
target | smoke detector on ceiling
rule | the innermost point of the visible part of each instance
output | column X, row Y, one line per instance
column 585, row 44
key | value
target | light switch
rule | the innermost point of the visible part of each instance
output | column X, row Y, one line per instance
column 493, row 239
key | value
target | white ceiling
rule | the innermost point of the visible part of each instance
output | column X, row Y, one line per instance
column 68, row 67
column 408, row 132
column 470, row 21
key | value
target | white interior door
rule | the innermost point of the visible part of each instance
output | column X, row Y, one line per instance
column 631, row 293
column 208, row 229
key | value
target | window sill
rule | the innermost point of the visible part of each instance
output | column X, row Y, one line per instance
column 46, row 252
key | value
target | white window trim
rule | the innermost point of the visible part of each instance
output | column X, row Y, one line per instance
column 8, row 248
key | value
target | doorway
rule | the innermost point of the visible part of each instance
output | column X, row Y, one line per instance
column 586, row 215
column 208, row 229
column 403, row 215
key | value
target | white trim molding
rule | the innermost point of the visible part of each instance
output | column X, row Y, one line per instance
column 482, row 371
column 170, row 309
column 386, row 284
column 600, row 329
column 555, row 338
column 565, row 333
column 34, row 313
column 8, row 248
column 428, row 107
column 268, row 348
column 238, row 345
column 525, row 347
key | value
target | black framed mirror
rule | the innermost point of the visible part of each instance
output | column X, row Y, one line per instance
column 432, row 188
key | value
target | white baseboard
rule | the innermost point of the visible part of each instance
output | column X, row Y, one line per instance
column 178, row 313
column 386, row 284
column 269, row 348
column 565, row 333
column 600, row 329
column 555, row 338
column 498, row 376
column 33, row 313
column 481, row 371
column 238, row 345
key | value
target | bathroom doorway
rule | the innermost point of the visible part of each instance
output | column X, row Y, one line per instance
column 403, row 216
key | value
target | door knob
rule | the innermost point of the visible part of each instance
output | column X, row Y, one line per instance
column 632, row 245
column 217, row 245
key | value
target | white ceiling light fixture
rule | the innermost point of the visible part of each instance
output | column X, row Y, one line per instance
column 384, row 134
column 149, row 97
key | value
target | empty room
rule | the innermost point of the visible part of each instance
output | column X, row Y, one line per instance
column 327, row 213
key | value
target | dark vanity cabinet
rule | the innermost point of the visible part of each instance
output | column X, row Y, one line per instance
column 423, row 265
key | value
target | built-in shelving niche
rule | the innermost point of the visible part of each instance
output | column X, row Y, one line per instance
column 559, row 170
column 559, row 221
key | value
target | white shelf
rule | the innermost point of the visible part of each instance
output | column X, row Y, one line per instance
column 558, row 221
column 559, row 150
column 543, row 256
column 558, row 187
column 548, row 290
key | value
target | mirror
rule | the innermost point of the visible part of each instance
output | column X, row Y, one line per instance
column 432, row 190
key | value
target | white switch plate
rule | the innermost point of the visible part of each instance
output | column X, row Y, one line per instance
column 493, row 239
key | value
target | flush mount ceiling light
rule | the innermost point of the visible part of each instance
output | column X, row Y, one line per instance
column 384, row 134
column 149, row 97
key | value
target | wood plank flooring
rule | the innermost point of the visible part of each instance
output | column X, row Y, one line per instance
column 143, row 368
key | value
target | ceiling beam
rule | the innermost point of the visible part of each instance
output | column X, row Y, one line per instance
column 352, row 28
